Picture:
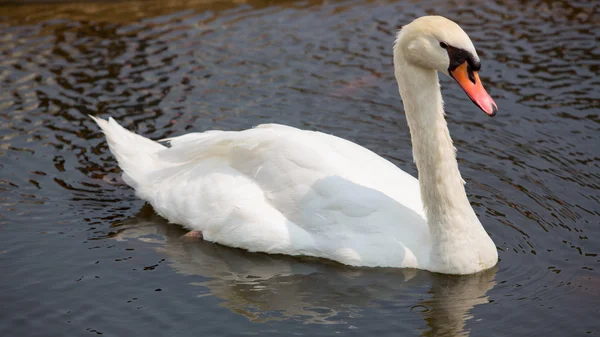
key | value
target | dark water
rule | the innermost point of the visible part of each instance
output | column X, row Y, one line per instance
column 80, row 255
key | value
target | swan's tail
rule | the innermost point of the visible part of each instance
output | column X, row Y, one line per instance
column 135, row 154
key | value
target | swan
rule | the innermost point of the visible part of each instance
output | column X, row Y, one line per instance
column 281, row 190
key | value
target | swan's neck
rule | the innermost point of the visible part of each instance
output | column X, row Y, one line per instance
column 449, row 213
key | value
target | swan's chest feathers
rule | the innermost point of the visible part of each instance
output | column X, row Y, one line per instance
column 278, row 189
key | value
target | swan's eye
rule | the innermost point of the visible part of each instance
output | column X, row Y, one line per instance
column 443, row 45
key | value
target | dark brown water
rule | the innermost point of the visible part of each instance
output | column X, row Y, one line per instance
column 80, row 255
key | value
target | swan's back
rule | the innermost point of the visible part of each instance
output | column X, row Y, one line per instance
column 278, row 189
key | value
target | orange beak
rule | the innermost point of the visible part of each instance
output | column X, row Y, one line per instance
column 471, row 84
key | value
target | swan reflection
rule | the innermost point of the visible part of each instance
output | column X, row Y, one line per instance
column 266, row 287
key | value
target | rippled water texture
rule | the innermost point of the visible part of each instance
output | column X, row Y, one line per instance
column 80, row 255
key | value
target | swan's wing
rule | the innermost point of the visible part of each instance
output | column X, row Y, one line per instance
column 279, row 189
column 331, row 154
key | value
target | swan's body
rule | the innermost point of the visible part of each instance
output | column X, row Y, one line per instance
column 278, row 189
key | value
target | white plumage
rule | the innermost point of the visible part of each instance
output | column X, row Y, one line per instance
column 278, row 189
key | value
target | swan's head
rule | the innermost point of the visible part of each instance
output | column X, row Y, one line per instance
column 435, row 42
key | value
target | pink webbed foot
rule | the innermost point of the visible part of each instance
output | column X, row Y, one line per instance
column 193, row 235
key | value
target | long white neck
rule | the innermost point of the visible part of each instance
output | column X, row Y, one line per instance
column 458, row 243
column 442, row 187
column 453, row 225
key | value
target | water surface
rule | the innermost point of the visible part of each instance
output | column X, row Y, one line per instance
column 79, row 254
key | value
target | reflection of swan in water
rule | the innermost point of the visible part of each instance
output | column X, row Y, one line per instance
column 452, row 300
column 268, row 287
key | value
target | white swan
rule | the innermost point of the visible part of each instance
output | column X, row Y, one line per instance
column 278, row 189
